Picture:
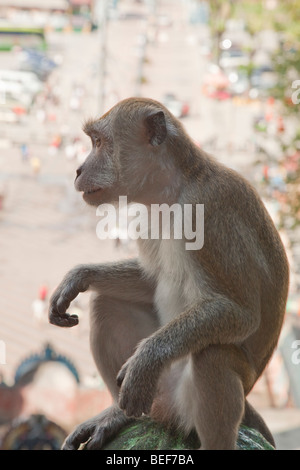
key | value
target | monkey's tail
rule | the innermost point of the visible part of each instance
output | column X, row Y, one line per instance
column 252, row 419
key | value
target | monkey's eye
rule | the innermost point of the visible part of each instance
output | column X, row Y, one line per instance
column 97, row 142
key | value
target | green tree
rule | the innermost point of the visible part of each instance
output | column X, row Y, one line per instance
column 286, row 62
column 283, row 17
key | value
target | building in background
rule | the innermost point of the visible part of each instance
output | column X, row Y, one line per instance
column 56, row 15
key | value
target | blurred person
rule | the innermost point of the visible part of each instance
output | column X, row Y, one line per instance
column 265, row 173
column 56, row 141
column 2, row 198
column 39, row 305
column 24, row 152
column 43, row 292
column 74, row 103
column 39, row 310
column 41, row 115
column 70, row 151
column 35, row 165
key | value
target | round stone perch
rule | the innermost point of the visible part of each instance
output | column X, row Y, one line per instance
column 144, row 434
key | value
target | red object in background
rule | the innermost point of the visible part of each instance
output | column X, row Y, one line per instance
column 43, row 292
column 280, row 126
column 266, row 172
column 185, row 109
column 220, row 95
column 56, row 142
column 19, row 110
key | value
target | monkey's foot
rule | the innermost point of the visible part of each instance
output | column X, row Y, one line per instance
column 95, row 432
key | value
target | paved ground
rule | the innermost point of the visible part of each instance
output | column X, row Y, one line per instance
column 46, row 229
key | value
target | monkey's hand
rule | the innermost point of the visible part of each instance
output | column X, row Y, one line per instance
column 74, row 282
column 138, row 379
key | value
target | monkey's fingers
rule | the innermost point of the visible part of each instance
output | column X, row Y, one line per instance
column 63, row 320
column 133, row 407
column 127, row 405
column 78, row 437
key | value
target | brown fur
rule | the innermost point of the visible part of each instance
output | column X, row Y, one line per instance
column 187, row 333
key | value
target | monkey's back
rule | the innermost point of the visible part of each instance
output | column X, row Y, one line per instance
column 243, row 253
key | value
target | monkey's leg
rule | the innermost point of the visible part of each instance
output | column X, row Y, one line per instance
column 116, row 328
column 218, row 406
column 216, row 320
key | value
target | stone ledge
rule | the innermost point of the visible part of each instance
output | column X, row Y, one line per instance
column 144, row 434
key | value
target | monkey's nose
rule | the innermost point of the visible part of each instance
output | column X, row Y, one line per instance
column 78, row 171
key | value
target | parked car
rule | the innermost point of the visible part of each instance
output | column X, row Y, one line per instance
column 27, row 81
column 18, row 89
column 263, row 78
column 233, row 58
column 36, row 62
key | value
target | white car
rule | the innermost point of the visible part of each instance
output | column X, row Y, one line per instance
column 26, row 80
column 233, row 58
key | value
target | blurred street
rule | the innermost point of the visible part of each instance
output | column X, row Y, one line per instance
column 46, row 228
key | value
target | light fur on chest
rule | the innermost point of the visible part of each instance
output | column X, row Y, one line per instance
column 178, row 281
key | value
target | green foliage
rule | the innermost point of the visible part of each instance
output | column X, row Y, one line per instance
column 286, row 62
column 284, row 18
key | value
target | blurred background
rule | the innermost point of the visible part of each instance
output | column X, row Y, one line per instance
column 230, row 70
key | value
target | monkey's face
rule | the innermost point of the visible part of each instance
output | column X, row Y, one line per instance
column 98, row 174
column 128, row 154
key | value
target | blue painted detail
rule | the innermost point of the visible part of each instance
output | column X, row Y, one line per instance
column 48, row 354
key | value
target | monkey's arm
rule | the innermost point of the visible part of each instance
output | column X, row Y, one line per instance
column 216, row 320
column 123, row 280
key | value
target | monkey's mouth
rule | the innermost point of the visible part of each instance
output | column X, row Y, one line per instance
column 90, row 195
column 92, row 191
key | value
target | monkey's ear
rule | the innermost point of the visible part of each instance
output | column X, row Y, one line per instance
column 156, row 128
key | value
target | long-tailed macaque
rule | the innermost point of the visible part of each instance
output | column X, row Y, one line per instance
column 180, row 335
